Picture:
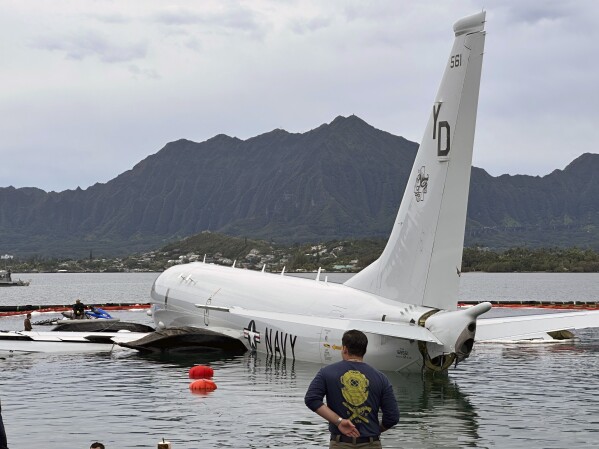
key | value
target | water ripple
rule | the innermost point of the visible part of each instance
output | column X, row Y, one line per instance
column 505, row 395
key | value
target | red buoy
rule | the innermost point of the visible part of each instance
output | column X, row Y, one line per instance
column 202, row 386
column 201, row 372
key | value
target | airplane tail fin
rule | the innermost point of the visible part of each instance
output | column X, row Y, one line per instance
column 421, row 262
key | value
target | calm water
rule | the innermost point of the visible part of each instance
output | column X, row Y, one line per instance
column 516, row 396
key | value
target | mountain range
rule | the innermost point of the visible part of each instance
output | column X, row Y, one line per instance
column 344, row 179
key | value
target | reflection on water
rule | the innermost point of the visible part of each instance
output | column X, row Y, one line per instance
column 504, row 395
column 128, row 400
column 541, row 393
column 434, row 413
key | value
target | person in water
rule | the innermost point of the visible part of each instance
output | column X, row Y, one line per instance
column 3, row 442
column 78, row 310
column 355, row 392
column 97, row 445
column 27, row 323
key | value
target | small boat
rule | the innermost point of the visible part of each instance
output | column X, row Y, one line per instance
column 95, row 313
column 96, row 320
column 112, row 325
column 6, row 280
column 70, row 321
column 97, row 332
column 98, row 313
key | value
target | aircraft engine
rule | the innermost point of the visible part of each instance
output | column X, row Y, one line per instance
column 456, row 329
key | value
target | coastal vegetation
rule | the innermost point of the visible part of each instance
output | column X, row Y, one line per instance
column 331, row 256
column 554, row 260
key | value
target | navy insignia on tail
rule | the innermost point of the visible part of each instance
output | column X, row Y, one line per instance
column 421, row 184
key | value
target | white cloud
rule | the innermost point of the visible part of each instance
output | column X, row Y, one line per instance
column 141, row 72
column 107, row 83
column 90, row 43
column 225, row 17
column 309, row 25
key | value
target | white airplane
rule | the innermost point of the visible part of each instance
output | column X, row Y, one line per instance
column 406, row 301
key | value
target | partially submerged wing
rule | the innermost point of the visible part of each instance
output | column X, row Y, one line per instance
column 77, row 337
column 521, row 327
column 397, row 330
column 56, row 341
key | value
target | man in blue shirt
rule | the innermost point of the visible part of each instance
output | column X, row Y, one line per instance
column 355, row 392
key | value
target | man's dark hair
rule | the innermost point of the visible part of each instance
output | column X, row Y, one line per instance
column 355, row 341
column 97, row 445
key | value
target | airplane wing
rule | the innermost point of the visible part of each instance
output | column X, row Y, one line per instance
column 81, row 337
column 397, row 330
column 520, row 327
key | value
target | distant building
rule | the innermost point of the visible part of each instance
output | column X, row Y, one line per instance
column 343, row 267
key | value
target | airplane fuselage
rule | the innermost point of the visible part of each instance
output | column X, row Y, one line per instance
column 177, row 291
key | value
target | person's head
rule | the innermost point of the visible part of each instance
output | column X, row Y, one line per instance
column 355, row 341
column 28, row 316
column 78, row 301
column 97, row 445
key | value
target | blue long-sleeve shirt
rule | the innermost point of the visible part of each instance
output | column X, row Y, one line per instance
column 355, row 391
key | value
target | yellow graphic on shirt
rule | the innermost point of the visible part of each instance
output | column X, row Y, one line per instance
column 355, row 392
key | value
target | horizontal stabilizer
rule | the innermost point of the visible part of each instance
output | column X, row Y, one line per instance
column 397, row 330
column 529, row 325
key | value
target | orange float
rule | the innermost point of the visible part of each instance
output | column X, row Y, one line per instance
column 201, row 372
column 202, row 386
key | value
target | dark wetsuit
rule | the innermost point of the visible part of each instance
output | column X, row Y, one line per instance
column 356, row 391
column 78, row 310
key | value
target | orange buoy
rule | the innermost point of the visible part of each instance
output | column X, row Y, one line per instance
column 202, row 386
column 201, row 372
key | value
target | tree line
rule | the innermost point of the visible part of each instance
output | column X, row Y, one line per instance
column 335, row 255
column 554, row 260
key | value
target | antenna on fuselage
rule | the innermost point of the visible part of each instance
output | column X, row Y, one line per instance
column 234, row 262
column 318, row 274
column 283, row 272
column 263, row 268
column 213, row 295
column 204, row 261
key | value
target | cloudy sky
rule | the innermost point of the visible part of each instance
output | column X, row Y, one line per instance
column 90, row 88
